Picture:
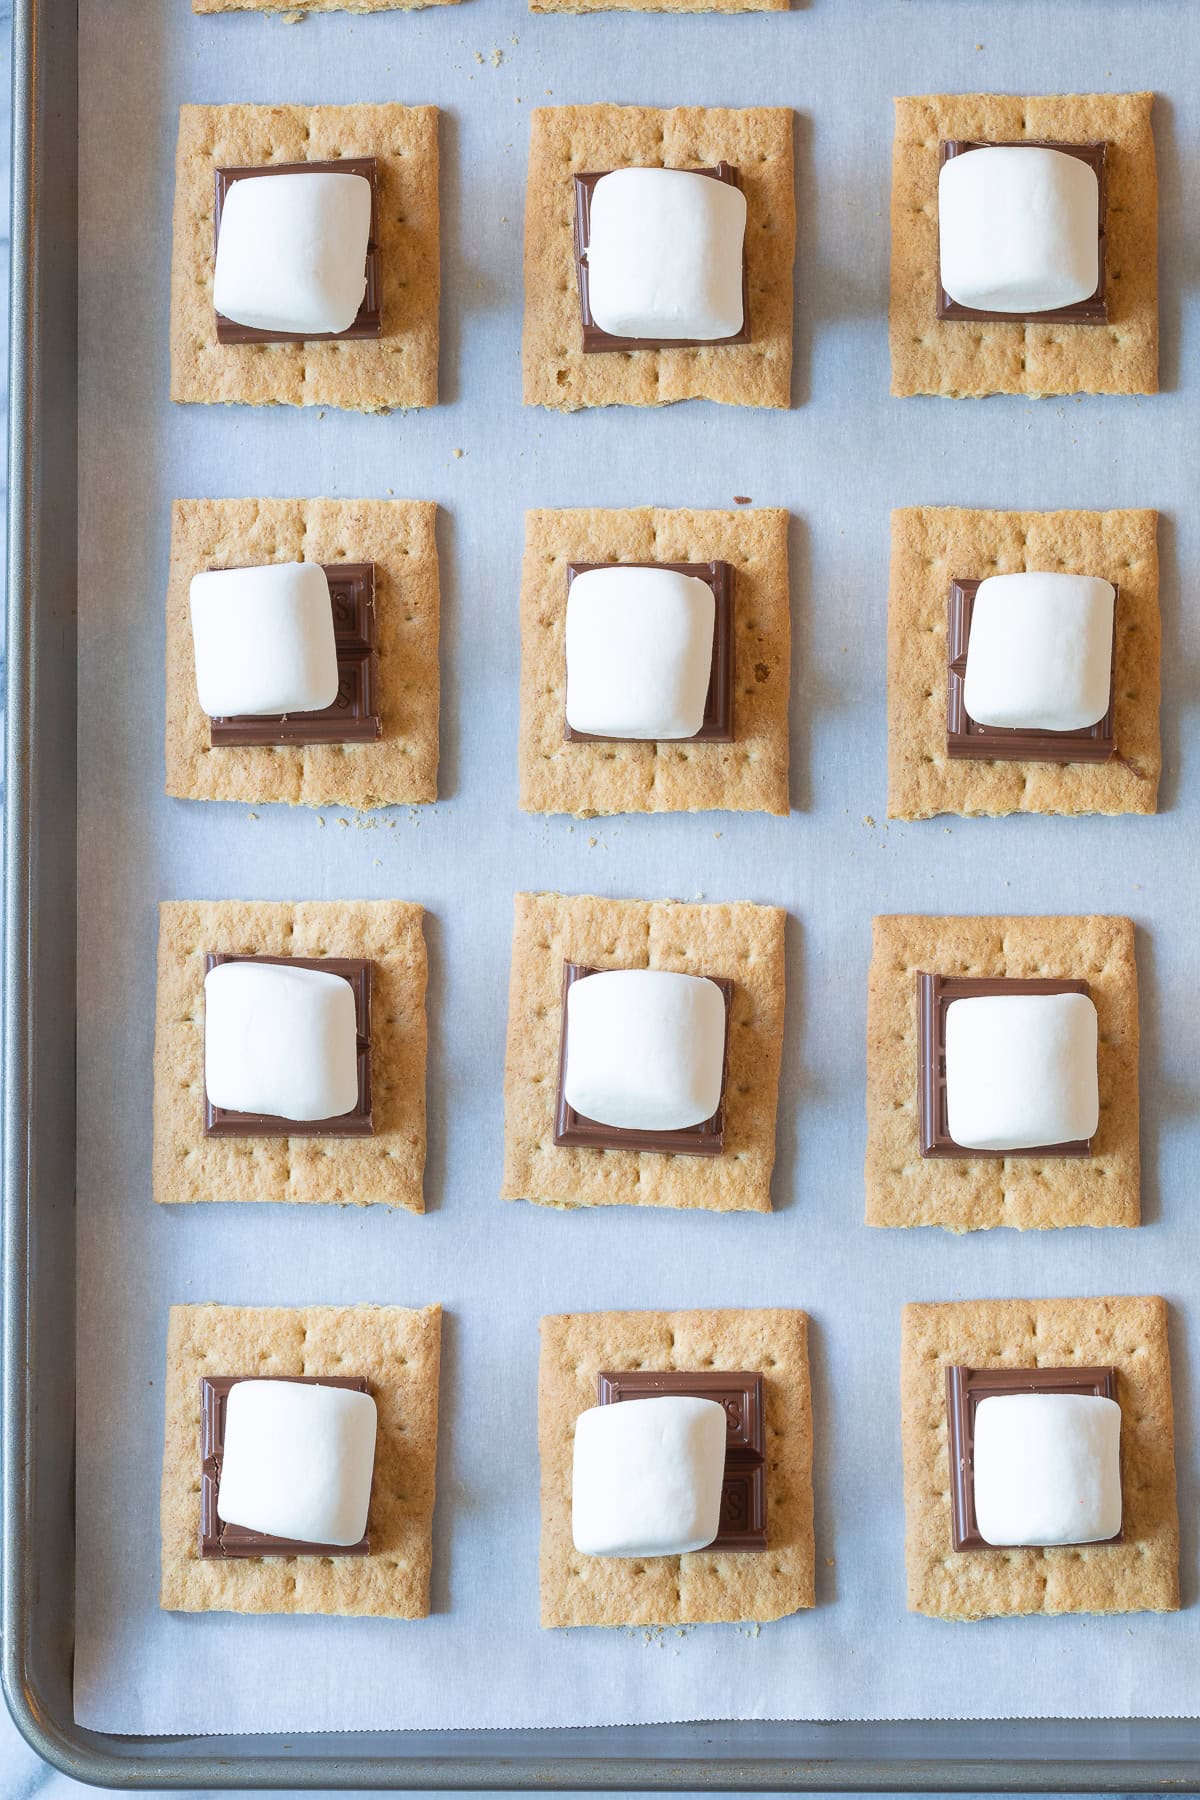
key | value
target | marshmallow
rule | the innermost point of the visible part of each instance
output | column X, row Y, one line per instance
column 639, row 652
column 645, row 1049
column 1047, row 1468
column 297, row 1461
column 1040, row 652
column 1019, row 229
column 647, row 1476
column 264, row 640
column 279, row 1040
column 664, row 255
column 1021, row 1071
column 292, row 252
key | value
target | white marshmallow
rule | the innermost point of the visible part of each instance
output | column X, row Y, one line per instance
column 280, row 1040
column 1019, row 229
column 639, row 652
column 1021, row 1070
column 645, row 1049
column 292, row 252
column 1040, row 651
column 264, row 640
column 647, row 1476
column 664, row 257
column 1047, row 1468
column 298, row 1461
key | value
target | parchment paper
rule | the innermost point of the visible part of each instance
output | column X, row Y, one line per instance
column 839, row 460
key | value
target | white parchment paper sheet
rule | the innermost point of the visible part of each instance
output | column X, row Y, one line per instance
column 839, row 460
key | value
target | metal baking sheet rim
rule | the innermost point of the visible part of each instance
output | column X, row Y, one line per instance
column 36, row 1487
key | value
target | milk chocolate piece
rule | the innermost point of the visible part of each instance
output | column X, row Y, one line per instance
column 219, row 1540
column 744, row 1489
column 967, row 740
column 1093, row 310
column 965, row 1388
column 221, row 1121
column 934, row 994
column 368, row 322
column 594, row 338
column 717, row 727
column 572, row 1130
column 354, row 717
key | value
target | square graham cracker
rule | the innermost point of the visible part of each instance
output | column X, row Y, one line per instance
column 967, row 357
column 398, row 369
column 740, row 941
column 398, row 1350
column 931, row 545
column 748, row 775
column 1139, row 1574
column 570, row 140
column 703, row 1586
column 384, row 1169
column 1026, row 1192
column 400, row 768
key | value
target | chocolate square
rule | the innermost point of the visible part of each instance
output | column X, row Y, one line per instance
column 368, row 322
column 717, row 726
column 595, row 339
column 966, row 740
column 221, row 1121
column 1093, row 310
column 965, row 1388
column 572, row 1130
column 354, row 716
column 934, row 994
column 744, row 1489
column 218, row 1540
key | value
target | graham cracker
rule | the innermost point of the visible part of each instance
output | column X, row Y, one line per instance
column 742, row 942
column 398, row 369
column 905, row 1188
column 747, row 775
column 400, row 768
column 703, row 1586
column 1139, row 1574
column 566, row 140
column 384, row 1169
column 398, row 1350
column 976, row 356
column 933, row 544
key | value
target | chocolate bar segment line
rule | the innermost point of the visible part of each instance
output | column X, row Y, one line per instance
column 1093, row 310
column 221, row 1121
column 934, row 995
column 220, row 1540
column 354, row 716
column 717, row 725
column 967, row 740
column 965, row 1388
column 594, row 337
column 368, row 321
column 573, row 1130
column 743, row 1524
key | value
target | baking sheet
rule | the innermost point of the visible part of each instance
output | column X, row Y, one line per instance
column 838, row 461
